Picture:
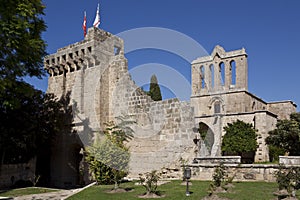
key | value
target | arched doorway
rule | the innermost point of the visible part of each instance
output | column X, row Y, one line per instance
column 206, row 139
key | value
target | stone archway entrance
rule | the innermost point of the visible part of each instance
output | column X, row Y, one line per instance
column 206, row 140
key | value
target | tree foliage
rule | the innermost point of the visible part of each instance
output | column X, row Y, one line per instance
column 286, row 136
column 288, row 179
column 240, row 137
column 28, row 125
column 155, row 89
column 21, row 46
column 29, row 117
column 149, row 181
column 219, row 178
column 109, row 156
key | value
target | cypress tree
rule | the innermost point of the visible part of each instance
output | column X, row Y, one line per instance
column 154, row 89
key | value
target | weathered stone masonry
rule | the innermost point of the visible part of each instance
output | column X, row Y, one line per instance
column 220, row 96
column 96, row 72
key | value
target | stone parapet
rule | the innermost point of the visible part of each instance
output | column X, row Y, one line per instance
column 241, row 172
column 289, row 160
column 218, row 160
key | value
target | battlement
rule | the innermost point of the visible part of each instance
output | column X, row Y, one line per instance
column 84, row 54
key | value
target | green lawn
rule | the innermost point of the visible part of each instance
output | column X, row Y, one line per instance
column 174, row 190
column 25, row 191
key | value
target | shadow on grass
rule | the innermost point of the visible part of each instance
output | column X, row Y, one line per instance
column 25, row 191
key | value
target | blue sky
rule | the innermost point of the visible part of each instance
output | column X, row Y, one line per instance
column 268, row 30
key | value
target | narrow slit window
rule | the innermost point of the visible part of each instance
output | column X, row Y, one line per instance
column 222, row 73
column 212, row 73
column 202, row 76
column 233, row 72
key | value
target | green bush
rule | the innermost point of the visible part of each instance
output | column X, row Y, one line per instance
column 275, row 152
column 288, row 178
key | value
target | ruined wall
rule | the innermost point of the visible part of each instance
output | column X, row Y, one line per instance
column 220, row 72
column 282, row 108
column 163, row 132
column 220, row 96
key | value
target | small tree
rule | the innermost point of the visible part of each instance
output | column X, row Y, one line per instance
column 240, row 137
column 286, row 136
column 109, row 157
column 154, row 89
column 149, row 180
column 218, row 178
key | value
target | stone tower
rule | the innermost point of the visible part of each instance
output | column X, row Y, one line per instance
column 220, row 96
column 89, row 70
column 219, row 72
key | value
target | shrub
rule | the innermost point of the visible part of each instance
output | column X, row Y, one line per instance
column 288, row 179
column 149, row 180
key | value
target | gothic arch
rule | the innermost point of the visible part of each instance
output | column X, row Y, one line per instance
column 212, row 76
column 202, row 76
column 207, row 138
column 233, row 72
column 217, row 105
column 222, row 73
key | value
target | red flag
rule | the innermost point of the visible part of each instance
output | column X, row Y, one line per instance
column 84, row 24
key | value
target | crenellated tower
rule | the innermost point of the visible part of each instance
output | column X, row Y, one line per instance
column 89, row 70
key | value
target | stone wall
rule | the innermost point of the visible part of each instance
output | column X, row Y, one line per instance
column 23, row 171
column 163, row 133
column 162, row 137
column 282, row 108
column 242, row 172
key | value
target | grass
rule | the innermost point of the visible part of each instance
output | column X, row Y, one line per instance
column 26, row 191
column 174, row 190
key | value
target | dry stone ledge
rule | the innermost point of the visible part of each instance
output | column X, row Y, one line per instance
column 289, row 160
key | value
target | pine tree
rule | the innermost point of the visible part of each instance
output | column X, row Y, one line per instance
column 154, row 89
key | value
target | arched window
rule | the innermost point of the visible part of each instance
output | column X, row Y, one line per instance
column 222, row 73
column 233, row 72
column 202, row 76
column 217, row 107
column 212, row 74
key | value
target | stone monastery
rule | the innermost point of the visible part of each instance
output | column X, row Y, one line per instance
column 95, row 72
